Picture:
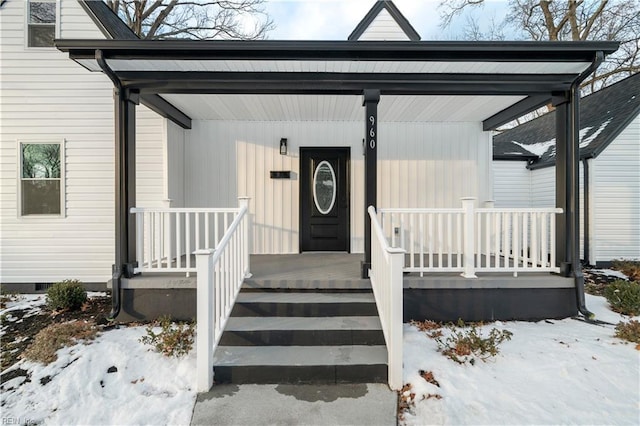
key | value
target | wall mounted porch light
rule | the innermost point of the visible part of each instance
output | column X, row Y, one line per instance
column 283, row 146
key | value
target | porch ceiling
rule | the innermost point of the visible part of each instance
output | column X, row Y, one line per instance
column 339, row 108
column 451, row 81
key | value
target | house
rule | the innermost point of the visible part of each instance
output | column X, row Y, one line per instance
column 49, row 102
column 315, row 173
column 524, row 160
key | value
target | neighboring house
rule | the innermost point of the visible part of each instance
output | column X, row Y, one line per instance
column 524, row 160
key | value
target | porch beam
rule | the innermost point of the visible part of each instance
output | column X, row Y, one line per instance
column 370, row 100
column 516, row 110
column 165, row 109
column 343, row 83
column 125, row 179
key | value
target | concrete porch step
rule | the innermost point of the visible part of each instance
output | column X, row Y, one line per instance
column 304, row 304
column 302, row 331
column 301, row 364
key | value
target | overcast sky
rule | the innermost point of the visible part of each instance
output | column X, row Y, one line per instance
column 336, row 19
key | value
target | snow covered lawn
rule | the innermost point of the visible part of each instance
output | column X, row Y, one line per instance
column 551, row 372
column 111, row 380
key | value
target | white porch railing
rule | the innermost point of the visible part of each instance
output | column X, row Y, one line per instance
column 470, row 240
column 220, row 273
column 166, row 237
column 386, row 280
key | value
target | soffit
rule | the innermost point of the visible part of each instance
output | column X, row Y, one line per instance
column 339, row 108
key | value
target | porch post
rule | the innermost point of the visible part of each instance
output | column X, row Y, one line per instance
column 370, row 99
column 125, row 180
column 564, row 189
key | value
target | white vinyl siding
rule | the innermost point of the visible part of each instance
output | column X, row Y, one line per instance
column 419, row 165
column 46, row 96
column 511, row 184
column 384, row 27
column 616, row 197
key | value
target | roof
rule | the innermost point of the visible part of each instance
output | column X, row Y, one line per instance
column 603, row 115
column 395, row 13
column 107, row 20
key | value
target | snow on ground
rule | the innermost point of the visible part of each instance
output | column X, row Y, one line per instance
column 610, row 273
column 551, row 372
column 147, row 388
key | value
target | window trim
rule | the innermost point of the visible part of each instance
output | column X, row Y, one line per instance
column 56, row 32
column 63, row 185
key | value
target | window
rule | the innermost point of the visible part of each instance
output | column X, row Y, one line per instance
column 41, row 190
column 41, row 23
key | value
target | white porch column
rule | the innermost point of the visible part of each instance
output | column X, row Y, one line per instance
column 204, row 319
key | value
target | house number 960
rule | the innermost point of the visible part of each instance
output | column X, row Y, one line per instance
column 372, row 133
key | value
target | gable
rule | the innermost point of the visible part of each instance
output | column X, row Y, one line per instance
column 384, row 22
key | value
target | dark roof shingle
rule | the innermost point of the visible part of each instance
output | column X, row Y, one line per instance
column 603, row 115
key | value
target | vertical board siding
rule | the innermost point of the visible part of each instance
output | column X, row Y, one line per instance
column 47, row 97
column 616, row 197
column 384, row 27
column 175, row 167
column 419, row 165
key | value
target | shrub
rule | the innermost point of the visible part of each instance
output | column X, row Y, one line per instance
column 466, row 342
column 629, row 331
column 631, row 268
column 624, row 297
column 57, row 336
column 66, row 295
column 173, row 339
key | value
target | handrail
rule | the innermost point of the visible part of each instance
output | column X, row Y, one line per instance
column 182, row 210
column 386, row 280
column 221, row 273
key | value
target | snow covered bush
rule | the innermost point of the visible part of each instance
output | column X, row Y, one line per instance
column 67, row 294
column 463, row 343
column 172, row 340
column 624, row 297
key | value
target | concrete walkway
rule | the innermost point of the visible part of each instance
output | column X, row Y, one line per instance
column 349, row 404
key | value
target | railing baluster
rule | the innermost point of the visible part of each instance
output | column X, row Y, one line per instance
column 440, row 238
column 534, row 241
column 187, row 232
column 515, row 236
column 140, row 239
column 411, row 237
column 207, row 236
column 525, row 240
column 422, row 236
column 178, row 240
column 552, row 233
column 487, row 243
column 431, row 241
column 543, row 242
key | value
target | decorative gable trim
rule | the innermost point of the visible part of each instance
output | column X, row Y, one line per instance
column 395, row 14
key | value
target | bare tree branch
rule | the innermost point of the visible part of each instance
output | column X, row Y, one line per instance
column 201, row 20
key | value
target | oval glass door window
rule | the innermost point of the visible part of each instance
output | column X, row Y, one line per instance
column 324, row 187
